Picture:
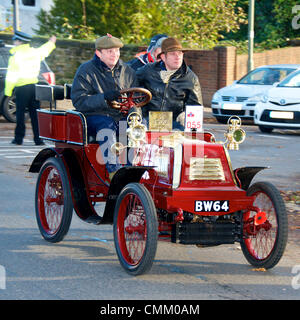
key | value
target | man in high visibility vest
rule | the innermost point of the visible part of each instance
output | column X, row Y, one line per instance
column 22, row 75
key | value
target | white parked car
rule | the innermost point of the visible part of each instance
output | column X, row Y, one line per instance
column 233, row 99
column 279, row 107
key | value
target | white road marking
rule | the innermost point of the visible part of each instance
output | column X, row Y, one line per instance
column 23, row 151
column 271, row 136
column 14, row 157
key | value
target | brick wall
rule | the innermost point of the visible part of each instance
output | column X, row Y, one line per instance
column 205, row 64
column 215, row 68
column 276, row 56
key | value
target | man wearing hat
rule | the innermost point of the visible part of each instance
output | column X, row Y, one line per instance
column 97, row 82
column 150, row 55
column 22, row 75
column 172, row 83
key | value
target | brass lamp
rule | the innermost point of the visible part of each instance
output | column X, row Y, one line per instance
column 235, row 135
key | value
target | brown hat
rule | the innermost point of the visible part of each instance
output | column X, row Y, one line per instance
column 107, row 42
column 169, row 45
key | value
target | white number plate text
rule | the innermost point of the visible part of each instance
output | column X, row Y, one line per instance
column 211, row 206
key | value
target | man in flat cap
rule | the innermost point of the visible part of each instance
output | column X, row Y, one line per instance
column 172, row 83
column 97, row 82
column 22, row 75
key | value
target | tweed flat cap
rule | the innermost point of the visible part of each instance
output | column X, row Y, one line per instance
column 21, row 36
column 107, row 42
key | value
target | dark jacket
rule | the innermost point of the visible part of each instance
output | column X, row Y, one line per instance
column 139, row 61
column 182, row 89
column 92, row 79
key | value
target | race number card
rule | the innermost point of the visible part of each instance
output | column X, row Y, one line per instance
column 193, row 119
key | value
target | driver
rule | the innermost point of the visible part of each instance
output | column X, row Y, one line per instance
column 97, row 82
column 172, row 83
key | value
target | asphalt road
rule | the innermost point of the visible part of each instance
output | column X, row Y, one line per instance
column 85, row 266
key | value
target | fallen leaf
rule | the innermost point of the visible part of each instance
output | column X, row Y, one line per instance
column 259, row 269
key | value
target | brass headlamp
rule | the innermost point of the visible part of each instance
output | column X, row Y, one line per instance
column 235, row 135
column 136, row 133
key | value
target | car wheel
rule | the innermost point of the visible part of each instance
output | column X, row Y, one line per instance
column 8, row 109
column 53, row 201
column 265, row 129
column 135, row 229
column 263, row 243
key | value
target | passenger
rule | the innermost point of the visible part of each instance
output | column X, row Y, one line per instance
column 150, row 55
column 22, row 75
column 172, row 83
column 97, row 82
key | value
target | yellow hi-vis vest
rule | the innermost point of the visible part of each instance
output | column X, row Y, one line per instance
column 24, row 65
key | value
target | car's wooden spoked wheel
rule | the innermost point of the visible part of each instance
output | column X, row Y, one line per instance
column 53, row 201
column 135, row 229
column 264, row 242
column 133, row 97
column 132, row 229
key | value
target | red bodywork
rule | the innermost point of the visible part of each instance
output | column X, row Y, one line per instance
column 180, row 187
column 68, row 131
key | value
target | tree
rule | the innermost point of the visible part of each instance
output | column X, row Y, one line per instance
column 273, row 22
column 201, row 22
column 70, row 18
column 284, row 16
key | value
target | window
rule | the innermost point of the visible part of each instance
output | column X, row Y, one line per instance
column 3, row 59
column 29, row 3
column 26, row 2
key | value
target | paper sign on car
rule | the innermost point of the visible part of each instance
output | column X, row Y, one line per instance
column 194, row 118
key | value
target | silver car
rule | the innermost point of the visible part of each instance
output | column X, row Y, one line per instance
column 233, row 99
column 279, row 107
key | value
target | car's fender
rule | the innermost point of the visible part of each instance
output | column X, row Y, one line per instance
column 245, row 175
column 122, row 177
column 40, row 158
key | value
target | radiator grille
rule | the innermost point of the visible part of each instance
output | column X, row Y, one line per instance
column 206, row 169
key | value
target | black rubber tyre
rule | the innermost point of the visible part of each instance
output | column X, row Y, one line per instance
column 53, row 201
column 8, row 110
column 265, row 247
column 135, row 229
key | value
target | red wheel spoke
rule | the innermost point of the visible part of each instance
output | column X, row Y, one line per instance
column 261, row 239
column 132, row 225
column 51, row 200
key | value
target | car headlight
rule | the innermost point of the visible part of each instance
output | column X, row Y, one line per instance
column 258, row 98
column 216, row 96
column 264, row 98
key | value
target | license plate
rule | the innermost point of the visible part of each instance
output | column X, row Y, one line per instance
column 232, row 106
column 211, row 206
column 281, row 115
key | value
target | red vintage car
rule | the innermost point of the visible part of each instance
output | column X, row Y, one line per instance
column 180, row 188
